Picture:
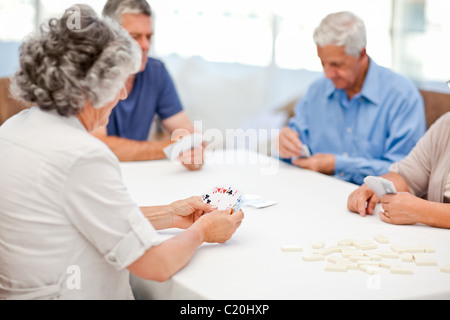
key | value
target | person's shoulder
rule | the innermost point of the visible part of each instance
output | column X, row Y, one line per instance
column 92, row 150
column 443, row 121
column 393, row 79
column 320, row 85
column 154, row 70
column 153, row 63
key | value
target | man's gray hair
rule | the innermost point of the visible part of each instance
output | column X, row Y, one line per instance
column 342, row 29
column 114, row 9
column 62, row 67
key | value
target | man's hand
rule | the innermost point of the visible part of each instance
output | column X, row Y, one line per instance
column 193, row 159
column 288, row 144
column 323, row 163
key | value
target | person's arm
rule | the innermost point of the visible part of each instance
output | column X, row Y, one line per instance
column 131, row 150
column 405, row 208
column 161, row 262
column 363, row 200
column 179, row 125
column 179, row 214
column 288, row 144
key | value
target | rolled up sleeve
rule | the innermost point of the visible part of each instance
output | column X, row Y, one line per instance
column 99, row 206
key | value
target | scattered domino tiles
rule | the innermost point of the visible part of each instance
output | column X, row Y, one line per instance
column 365, row 255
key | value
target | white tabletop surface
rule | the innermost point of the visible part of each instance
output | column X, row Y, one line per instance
column 310, row 207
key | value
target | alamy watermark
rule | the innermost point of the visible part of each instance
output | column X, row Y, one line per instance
column 73, row 281
column 74, row 20
column 254, row 146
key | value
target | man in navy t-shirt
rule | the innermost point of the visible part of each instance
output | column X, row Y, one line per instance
column 151, row 92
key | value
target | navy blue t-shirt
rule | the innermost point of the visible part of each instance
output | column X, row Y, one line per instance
column 153, row 93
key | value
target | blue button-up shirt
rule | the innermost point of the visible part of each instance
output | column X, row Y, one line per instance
column 377, row 127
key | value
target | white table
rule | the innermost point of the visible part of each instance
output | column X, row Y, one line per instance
column 310, row 207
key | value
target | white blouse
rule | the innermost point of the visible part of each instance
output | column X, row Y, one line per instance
column 68, row 227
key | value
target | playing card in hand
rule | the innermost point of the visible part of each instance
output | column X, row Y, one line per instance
column 305, row 153
column 380, row 185
column 224, row 198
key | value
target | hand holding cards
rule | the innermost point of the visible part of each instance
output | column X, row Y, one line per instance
column 380, row 185
column 224, row 198
column 305, row 153
column 185, row 143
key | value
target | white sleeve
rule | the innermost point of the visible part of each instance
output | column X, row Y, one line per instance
column 98, row 204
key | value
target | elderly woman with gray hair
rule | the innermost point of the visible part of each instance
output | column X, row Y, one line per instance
column 68, row 227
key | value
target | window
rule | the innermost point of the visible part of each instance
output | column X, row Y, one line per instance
column 17, row 19
column 231, row 31
column 409, row 36
column 420, row 34
column 260, row 32
column 295, row 47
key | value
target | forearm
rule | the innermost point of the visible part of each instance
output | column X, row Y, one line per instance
column 434, row 214
column 131, row 150
column 161, row 217
column 161, row 262
column 398, row 181
column 355, row 169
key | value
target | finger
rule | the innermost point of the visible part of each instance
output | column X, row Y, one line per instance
column 385, row 216
column 289, row 142
column 227, row 211
column 352, row 201
column 238, row 216
column 192, row 167
column 362, row 204
column 291, row 146
column 198, row 204
column 372, row 204
column 193, row 156
column 304, row 163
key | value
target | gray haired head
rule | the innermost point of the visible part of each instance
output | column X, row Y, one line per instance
column 342, row 29
column 114, row 9
column 63, row 67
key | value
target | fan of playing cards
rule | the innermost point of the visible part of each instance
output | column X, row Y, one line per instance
column 224, row 198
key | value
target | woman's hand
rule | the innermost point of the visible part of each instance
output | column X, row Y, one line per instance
column 186, row 212
column 220, row 225
column 401, row 208
column 363, row 200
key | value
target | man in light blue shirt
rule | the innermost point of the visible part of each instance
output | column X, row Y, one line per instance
column 360, row 117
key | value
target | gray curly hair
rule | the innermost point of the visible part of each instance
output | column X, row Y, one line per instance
column 342, row 29
column 64, row 67
column 114, row 9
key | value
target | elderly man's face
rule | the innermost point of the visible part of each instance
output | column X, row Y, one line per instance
column 343, row 70
column 140, row 27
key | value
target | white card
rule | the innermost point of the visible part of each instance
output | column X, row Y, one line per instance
column 305, row 153
column 380, row 185
column 256, row 201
